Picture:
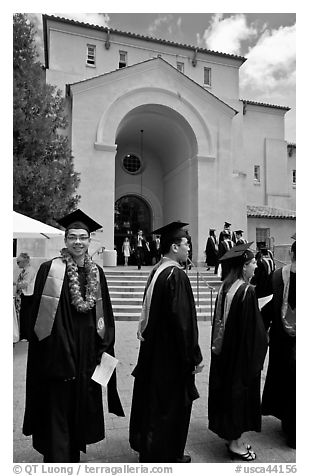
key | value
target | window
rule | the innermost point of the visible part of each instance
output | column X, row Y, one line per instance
column 294, row 177
column 263, row 236
column 132, row 164
column 123, row 59
column 180, row 66
column 257, row 173
column 90, row 55
column 207, row 76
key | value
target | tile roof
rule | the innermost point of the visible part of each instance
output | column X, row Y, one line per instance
column 255, row 103
column 263, row 211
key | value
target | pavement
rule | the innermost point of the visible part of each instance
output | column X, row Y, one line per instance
column 203, row 445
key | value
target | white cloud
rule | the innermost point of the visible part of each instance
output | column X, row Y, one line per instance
column 165, row 25
column 271, row 63
column 101, row 19
column 227, row 34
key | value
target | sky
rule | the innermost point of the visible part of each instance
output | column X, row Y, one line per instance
column 267, row 40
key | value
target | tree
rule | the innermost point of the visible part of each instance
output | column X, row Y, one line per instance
column 44, row 178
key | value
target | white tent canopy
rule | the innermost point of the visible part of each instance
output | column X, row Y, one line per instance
column 25, row 227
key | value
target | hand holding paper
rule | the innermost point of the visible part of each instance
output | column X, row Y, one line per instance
column 264, row 300
column 104, row 370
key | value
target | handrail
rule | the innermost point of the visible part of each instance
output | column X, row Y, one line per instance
column 212, row 289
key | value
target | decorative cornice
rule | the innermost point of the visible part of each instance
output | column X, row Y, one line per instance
column 105, row 147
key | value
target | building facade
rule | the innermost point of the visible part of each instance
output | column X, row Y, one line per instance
column 158, row 133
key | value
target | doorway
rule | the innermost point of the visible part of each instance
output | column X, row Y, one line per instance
column 132, row 213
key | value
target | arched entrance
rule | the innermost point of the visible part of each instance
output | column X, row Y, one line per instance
column 132, row 213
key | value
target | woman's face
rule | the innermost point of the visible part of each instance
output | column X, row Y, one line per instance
column 249, row 269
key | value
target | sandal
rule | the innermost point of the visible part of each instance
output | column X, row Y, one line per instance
column 248, row 456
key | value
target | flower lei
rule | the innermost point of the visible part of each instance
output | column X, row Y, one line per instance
column 82, row 305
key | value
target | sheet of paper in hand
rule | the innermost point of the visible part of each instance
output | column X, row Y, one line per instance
column 264, row 300
column 104, row 370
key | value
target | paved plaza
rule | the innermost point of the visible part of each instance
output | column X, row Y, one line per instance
column 203, row 445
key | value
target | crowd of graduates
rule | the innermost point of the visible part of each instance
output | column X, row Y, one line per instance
column 71, row 331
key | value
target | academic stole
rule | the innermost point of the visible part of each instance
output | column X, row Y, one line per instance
column 50, row 301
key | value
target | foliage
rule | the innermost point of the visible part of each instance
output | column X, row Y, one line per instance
column 44, row 178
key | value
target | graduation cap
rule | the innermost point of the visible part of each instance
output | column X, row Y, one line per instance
column 240, row 252
column 226, row 224
column 212, row 229
column 238, row 232
column 79, row 219
column 294, row 236
column 172, row 229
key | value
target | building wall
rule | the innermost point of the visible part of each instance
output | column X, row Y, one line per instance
column 264, row 146
column 68, row 48
column 207, row 187
column 280, row 229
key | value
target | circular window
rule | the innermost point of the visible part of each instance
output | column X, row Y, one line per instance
column 132, row 164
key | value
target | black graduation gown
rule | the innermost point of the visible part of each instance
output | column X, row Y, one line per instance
column 262, row 278
column 211, row 252
column 279, row 395
column 235, row 374
column 62, row 413
column 224, row 246
column 164, row 387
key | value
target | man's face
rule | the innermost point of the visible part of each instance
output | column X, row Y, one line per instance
column 183, row 251
column 77, row 242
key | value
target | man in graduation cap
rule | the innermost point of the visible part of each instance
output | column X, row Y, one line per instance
column 211, row 251
column 240, row 240
column 72, row 326
column 169, row 356
column 227, row 229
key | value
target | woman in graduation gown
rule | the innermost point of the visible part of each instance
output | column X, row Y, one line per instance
column 238, row 349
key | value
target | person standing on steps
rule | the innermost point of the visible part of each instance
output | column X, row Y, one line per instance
column 139, row 248
column 211, row 251
column 126, row 250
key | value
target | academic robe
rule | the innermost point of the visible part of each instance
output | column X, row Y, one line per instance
column 211, row 251
column 235, row 373
column 279, row 395
column 164, row 387
column 64, row 409
column 224, row 246
column 262, row 278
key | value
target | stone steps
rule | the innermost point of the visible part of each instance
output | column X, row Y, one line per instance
column 126, row 288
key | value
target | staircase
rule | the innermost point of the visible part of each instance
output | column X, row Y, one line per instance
column 126, row 287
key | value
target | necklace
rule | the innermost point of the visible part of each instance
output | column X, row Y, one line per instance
column 82, row 305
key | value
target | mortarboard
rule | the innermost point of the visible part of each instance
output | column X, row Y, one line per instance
column 212, row 229
column 171, row 229
column 239, row 252
column 238, row 232
column 79, row 219
column 294, row 236
column 226, row 224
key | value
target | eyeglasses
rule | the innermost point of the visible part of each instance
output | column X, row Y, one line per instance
column 75, row 238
